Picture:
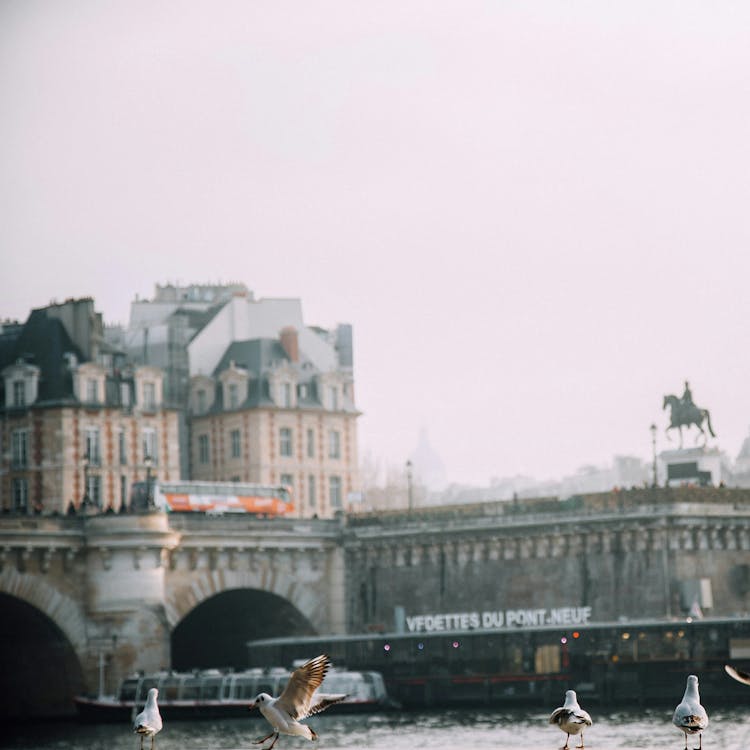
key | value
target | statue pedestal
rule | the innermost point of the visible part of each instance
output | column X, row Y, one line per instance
column 700, row 466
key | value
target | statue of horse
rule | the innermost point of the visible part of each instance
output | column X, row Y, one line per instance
column 685, row 415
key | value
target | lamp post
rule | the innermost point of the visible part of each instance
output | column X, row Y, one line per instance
column 653, row 453
column 85, row 500
column 409, row 486
column 148, row 461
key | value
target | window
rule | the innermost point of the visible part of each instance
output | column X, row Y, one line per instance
column 150, row 449
column 311, row 443
column 203, row 454
column 233, row 396
column 235, row 441
column 334, row 492
column 122, row 447
column 92, row 391
column 201, row 401
column 287, row 480
column 20, row 490
column 334, row 444
column 311, row 499
column 333, row 398
column 19, row 393
column 20, row 448
column 93, row 446
column 94, row 489
column 285, row 441
column 149, row 395
column 286, row 395
column 303, row 391
column 123, row 491
column 125, row 395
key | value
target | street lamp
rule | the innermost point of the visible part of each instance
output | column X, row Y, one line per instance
column 409, row 485
column 148, row 461
column 86, row 500
column 653, row 452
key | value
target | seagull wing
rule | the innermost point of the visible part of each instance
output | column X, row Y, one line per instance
column 582, row 717
column 558, row 714
column 737, row 674
column 305, row 680
column 323, row 701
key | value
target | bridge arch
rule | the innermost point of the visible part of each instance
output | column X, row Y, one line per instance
column 180, row 600
column 66, row 614
column 30, row 636
column 215, row 633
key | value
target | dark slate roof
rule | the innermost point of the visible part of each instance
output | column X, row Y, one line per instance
column 258, row 356
column 43, row 342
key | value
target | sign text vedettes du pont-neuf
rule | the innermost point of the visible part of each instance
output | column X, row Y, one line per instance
column 508, row 618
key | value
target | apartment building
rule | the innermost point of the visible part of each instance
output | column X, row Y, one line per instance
column 78, row 422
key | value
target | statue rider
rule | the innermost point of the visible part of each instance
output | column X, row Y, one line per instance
column 687, row 399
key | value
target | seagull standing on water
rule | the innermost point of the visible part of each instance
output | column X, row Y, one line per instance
column 295, row 702
column 148, row 721
column 690, row 717
column 571, row 718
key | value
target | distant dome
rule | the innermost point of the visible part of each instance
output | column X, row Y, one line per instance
column 429, row 468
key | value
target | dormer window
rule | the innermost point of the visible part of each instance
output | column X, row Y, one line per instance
column 21, row 384
column 286, row 395
column 233, row 396
column 333, row 398
column 92, row 391
column 149, row 395
column 201, row 398
column 19, row 393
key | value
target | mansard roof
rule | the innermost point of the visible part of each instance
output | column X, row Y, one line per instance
column 43, row 341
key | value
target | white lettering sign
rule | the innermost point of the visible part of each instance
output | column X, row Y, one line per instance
column 509, row 618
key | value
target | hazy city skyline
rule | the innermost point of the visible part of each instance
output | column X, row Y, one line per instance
column 534, row 217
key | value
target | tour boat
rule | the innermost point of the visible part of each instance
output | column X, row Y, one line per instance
column 211, row 693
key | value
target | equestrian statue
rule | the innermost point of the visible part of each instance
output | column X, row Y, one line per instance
column 684, row 413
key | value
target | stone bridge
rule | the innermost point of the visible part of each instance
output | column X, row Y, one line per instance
column 91, row 599
column 86, row 600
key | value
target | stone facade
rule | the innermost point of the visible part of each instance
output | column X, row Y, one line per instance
column 627, row 555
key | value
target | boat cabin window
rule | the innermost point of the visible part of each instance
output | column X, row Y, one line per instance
column 169, row 688
column 210, row 688
column 129, row 688
column 191, row 689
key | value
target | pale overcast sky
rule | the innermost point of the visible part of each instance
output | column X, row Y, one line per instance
column 534, row 214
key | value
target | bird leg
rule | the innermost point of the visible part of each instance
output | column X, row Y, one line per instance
column 581, row 745
column 700, row 741
column 274, row 741
column 268, row 737
column 565, row 746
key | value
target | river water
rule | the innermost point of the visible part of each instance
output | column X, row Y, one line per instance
column 492, row 729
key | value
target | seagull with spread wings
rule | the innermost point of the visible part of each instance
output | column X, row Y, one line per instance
column 296, row 702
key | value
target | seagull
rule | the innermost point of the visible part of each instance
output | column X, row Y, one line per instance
column 296, row 702
column 737, row 674
column 571, row 718
column 148, row 721
column 690, row 717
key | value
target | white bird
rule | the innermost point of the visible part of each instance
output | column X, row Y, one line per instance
column 689, row 716
column 571, row 718
column 148, row 722
column 296, row 702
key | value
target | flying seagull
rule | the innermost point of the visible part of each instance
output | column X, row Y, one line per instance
column 690, row 717
column 296, row 702
column 148, row 721
column 571, row 718
column 737, row 674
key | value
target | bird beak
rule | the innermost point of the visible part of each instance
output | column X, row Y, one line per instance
column 251, row 706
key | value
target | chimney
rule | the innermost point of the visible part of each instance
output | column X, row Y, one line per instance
column 290, row 343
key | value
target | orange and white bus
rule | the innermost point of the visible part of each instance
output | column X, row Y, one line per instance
column 222, row 497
